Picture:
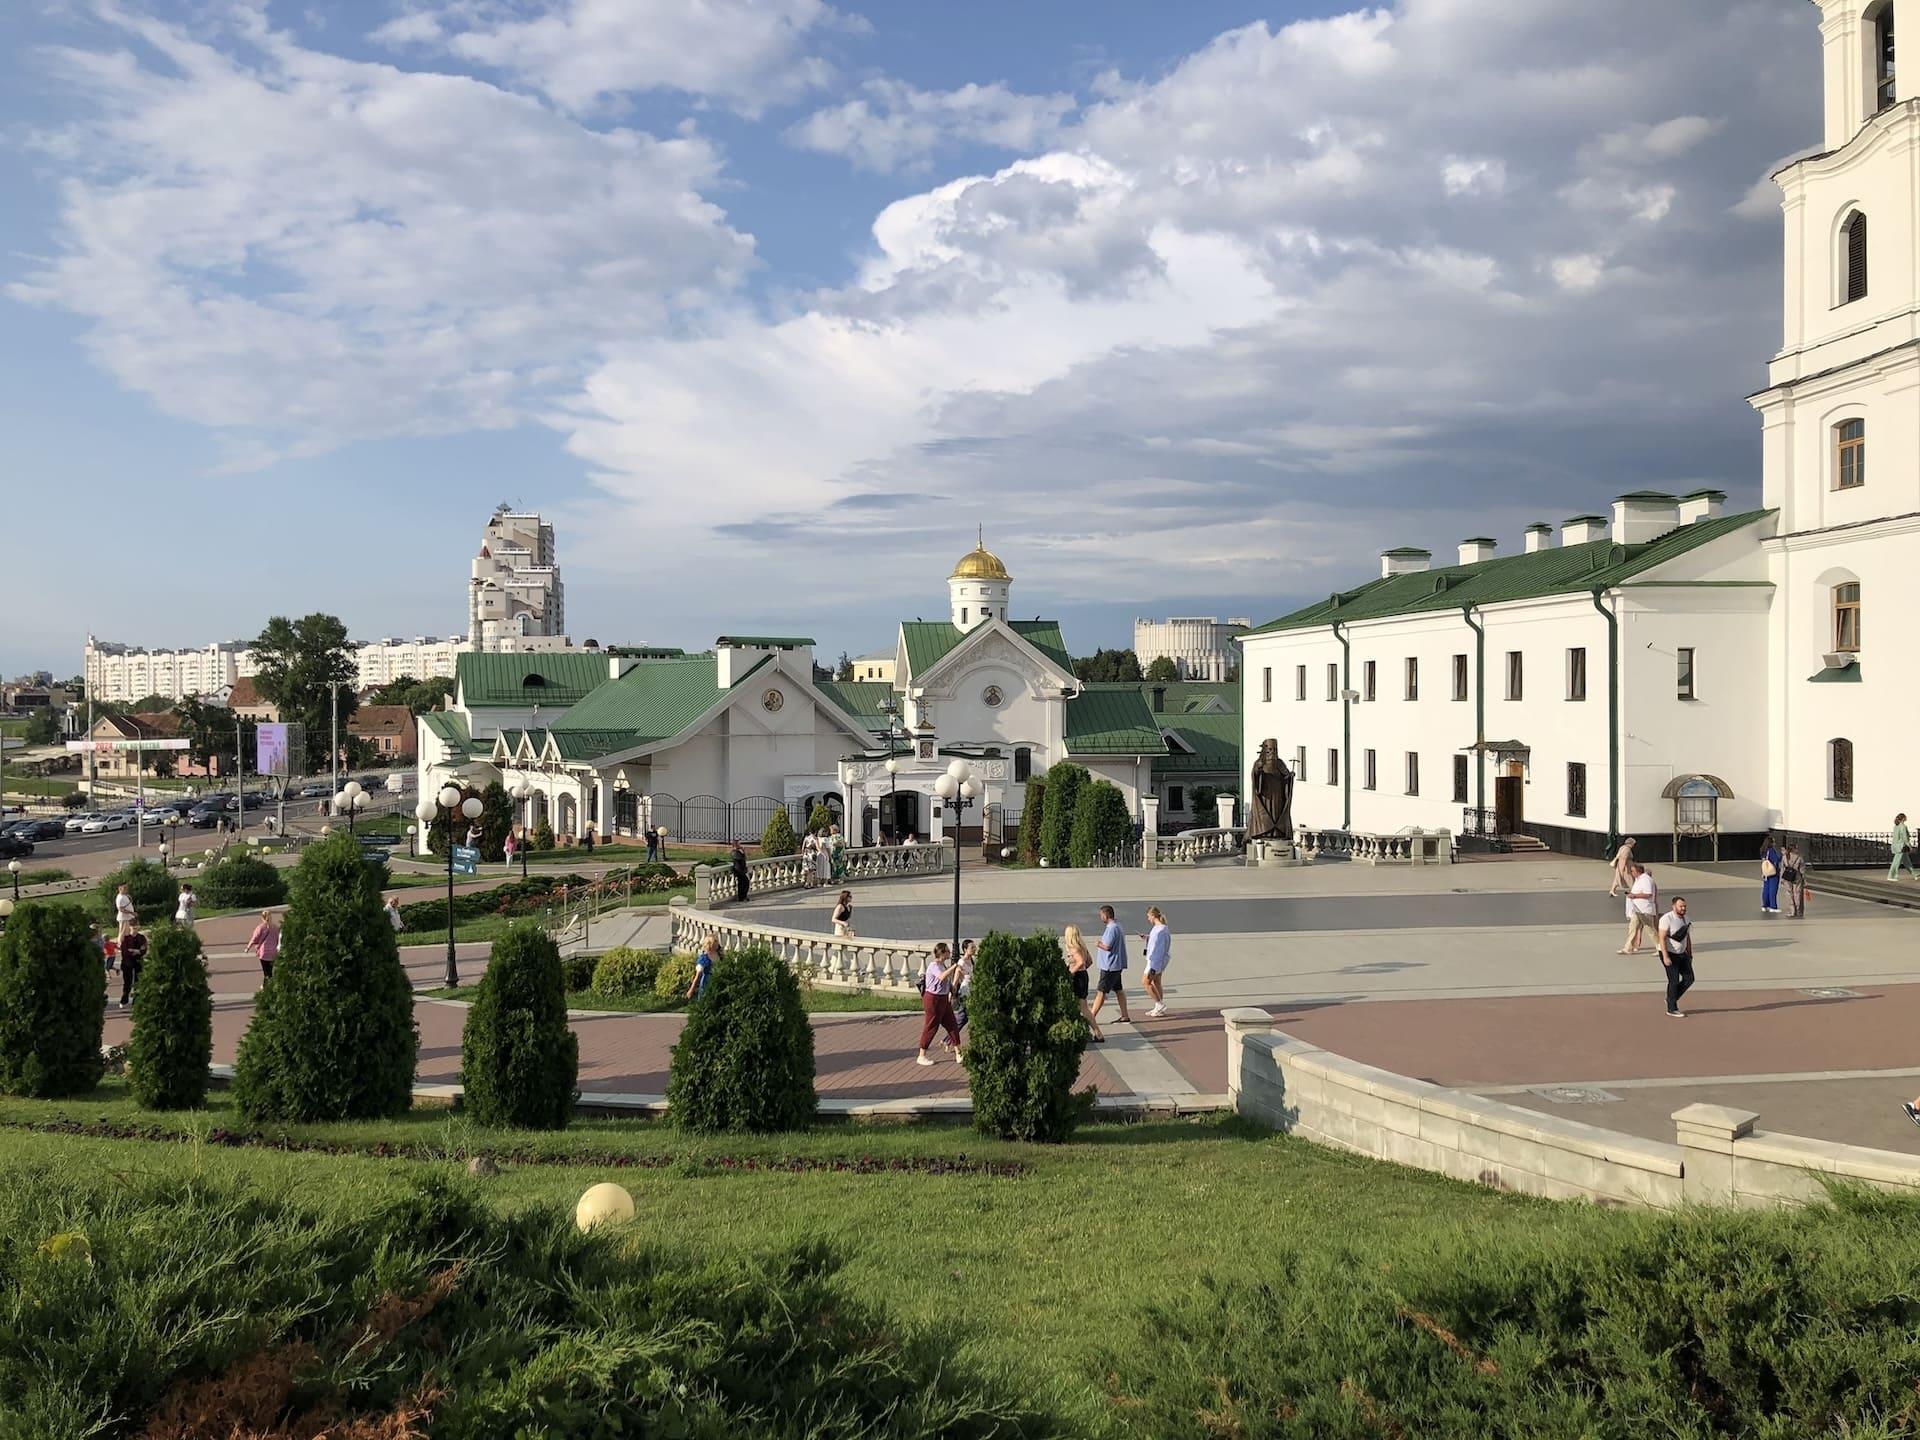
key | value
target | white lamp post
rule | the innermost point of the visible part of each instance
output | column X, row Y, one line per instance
column 958, row 789
column 522, row 793
column 450, row 801
column 13, row 869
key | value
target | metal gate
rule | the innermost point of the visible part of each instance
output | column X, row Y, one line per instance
column 703, row 820
column 748, row 818
column 626, row 812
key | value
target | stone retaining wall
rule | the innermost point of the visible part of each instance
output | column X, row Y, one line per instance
column 1719, row 1157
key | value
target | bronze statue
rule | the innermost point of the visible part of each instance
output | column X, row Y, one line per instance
column 1270, row 816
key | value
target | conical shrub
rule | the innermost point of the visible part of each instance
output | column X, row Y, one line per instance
column 172, row 1042
column 53, row 1003
column 1064, row 783
column 745, row 1058
column 1102, row 826
column 519, row 1061
column 778, row 838
column 333, row 1036
column 1025, row 1037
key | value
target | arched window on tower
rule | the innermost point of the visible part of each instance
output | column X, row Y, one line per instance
column 1853, row 259
column 1886, row 92
column 1846, row 617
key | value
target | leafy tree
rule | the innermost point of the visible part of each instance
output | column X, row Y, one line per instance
column 820, row 819
column 299, row 661
column 745, row 1058
column 53, row 1005
column 419, row 696
column 1102, row 825
column 1032, row 819
column 1202, row 800
column 172, row 1042
column 1121, row 665
column 43, row 727
column 1025, row 1037
column 844, row 669
column 496, row 821
column 543, row 836
column 200, row 727
column 519, row 1061
column 150, row 886
column 778, row 838
column 1064, row 783
column 152, row 704
column 1162, row 670
column 333, row 1036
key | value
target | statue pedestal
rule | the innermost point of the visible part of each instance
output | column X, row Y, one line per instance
column 1273, row 854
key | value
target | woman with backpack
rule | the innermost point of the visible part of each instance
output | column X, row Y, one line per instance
column 1793, row 876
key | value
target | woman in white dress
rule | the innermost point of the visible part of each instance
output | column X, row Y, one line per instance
column 823, row 860
column 809, row 861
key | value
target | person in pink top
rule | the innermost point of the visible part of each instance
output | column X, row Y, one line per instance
column 265, row 943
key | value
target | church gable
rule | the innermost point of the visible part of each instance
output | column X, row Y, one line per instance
column 992, row 644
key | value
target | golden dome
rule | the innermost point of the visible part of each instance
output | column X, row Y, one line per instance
column 980, row 563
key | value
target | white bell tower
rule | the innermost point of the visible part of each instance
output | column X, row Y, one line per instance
column 977, row 590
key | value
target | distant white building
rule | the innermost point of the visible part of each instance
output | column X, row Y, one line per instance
column 1669, row 671
column 515, row 590
column 125, row 673
column 1201, row 648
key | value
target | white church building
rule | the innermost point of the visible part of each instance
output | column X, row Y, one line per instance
column 1666, row 669
column 710, row 745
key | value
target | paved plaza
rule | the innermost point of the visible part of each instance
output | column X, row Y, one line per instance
column 1497, row 977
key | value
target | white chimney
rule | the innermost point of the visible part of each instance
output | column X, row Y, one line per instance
column 1476, row 549
column 1583, row 528
column 1539, row 537
column 1404, row 561
column 1702, row 505
column 1640, row 516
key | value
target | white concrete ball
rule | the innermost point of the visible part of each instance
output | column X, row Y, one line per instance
column 605, row 1202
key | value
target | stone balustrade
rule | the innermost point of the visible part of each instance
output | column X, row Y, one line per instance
column 1190, row 847
column 1406, row 847
column 854, row 963
column 771, row 875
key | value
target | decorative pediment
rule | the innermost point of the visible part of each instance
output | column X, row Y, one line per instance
column 992, row 644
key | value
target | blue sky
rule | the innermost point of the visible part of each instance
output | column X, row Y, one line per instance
column 769, row 302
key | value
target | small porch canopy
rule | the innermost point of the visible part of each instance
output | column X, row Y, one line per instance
column 1696, row 807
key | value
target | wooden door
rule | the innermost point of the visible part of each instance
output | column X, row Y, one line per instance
column 1507, row 811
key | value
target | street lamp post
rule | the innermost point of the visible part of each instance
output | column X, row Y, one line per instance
column 353, row 798
column 522, row 794
column 165, row 854
column 891, row 709
column 13, row 869
column 957, row 788
column 450, row 801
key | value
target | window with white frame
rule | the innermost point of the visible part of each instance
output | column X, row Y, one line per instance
column 1299, row 682
column 1266, row 683
column 1300, row 763
column 1684, row 673
column 1459, row 779
column 1333, row 682
column 1412, row 688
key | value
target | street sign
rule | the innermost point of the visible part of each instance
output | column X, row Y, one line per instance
column 466, row 860
column 127, row 744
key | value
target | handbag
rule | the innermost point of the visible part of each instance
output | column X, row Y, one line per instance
column 1766, row 869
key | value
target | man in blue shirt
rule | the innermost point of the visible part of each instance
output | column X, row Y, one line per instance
column 1111, row 961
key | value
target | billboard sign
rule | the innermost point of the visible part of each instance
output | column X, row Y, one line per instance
column 270, row 756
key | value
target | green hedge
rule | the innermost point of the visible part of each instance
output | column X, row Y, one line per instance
column 172, row 1042
column 519, row 1062
column 778, row 838
column 624, row 973
column 1032, row 818
column 154, row 891
column 333, row 1036
column 744, row 1061
column 53, row 1003
column 1064, row 783
column 1102, row 826
column 242, row 881
column 671, row 980
column 577, row 972
column 1025, row 1037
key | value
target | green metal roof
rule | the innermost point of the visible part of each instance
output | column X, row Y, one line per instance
column 1112, row 719
column 652, row 701
column 928, row 640
column 449, row 727
column 1562, row 570
column 528, row 679
column 1192, row 697
column 859, row 698
column 1215, row 740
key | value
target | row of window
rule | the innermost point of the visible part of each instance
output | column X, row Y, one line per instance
column 1370, row 775
column 1576, row 674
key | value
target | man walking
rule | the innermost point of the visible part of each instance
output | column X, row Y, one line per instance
column 1643, row 907
column 1623, row 866
column 1110, row 960
column 1902, row 841
column 1676, row 954
column 1159, row 944
column 737, row 858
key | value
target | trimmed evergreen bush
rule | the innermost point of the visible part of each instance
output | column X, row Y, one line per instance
column 155, row 892
column 172, row 1042
column 1064, row 783
column 519, row 1063
column 577, row 972
column 496, row 821
column 624, row 972
column 820, row 819
column 745, row 1058
column 242, row 881
column 778, row 838
column 1031, row 820
column 332, row 1036
column 543, row 836
column 675, row 974
column 53, row 1003
column 1025, row 1036
column 1102, row 825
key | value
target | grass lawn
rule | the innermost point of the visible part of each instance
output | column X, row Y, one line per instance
column 48, row 875
column 816, row 1000
column 1198, row 1278
column 39, row 785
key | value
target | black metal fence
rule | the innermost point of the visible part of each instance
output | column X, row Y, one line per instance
column 1860, row 850
column 709, row 820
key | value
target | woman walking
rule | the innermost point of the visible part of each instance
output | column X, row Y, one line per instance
column 936, row 1003
column 1080, row 968
column 188, row 908
column 1902, row 844
column 843, row 916
column 265, row 944
column 1793, row 875
column 1770, row 877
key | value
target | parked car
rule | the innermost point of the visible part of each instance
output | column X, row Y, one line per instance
column 314, row 792
column 13, row 846
column 39, row 829
column 166, row 814
column 208, row 813
column 101, row 824
column 76, row 823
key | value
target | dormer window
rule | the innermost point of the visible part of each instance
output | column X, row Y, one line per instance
column 1886, row 92
column 534, row 679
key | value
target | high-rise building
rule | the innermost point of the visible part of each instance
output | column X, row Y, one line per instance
column 515, row 588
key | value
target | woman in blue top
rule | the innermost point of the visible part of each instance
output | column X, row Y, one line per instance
column 703, row 968
column 1770, row 877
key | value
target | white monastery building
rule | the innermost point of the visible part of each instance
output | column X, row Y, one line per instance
column 710, row 745
column 1668, row 670
column 1201, row 648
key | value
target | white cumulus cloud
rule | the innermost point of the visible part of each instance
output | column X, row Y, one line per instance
column 892, row 124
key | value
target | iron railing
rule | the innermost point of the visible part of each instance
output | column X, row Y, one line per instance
column 1859, row 850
